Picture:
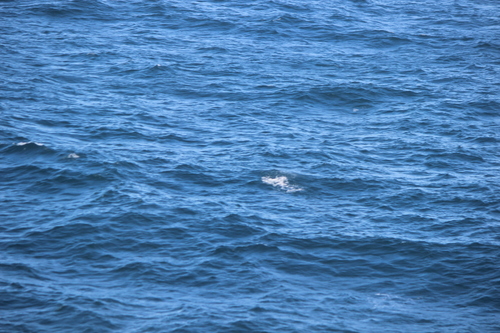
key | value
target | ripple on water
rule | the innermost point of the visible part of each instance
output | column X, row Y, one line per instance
column 277, row 166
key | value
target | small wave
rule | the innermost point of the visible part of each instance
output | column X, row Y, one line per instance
column 30, row 143
column 282, row 183
column 28, row 147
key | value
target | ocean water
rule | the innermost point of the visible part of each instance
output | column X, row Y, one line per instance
column 249, row 166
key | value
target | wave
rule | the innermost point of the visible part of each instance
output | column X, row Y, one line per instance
column 278, row 166
column 282, row 183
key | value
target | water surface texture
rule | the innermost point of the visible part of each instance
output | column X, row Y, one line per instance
column 249, row 166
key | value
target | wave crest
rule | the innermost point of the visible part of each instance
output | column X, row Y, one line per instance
column 282, row 183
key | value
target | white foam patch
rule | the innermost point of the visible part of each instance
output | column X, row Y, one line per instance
column 27, row 143
column 73, row 155
column 282, row 183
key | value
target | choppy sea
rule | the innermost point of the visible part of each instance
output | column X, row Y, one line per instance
column 249, row 166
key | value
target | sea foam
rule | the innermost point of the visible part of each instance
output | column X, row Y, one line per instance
column 282, row 183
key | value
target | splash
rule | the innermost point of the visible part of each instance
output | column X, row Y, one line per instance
column 282, row 183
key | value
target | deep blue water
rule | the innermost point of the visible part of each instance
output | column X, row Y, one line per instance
column 250, row 166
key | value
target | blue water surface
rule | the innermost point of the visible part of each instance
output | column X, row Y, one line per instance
column 249, row 166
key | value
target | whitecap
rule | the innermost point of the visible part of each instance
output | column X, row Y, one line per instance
column 73, row 155
column 29, row 142
column 282, row 183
